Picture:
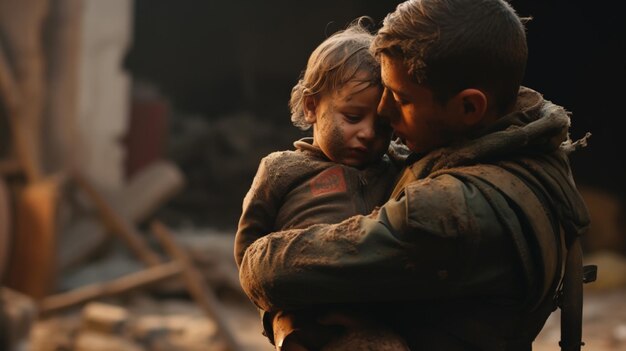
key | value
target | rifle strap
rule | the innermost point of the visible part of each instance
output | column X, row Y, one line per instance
column 571, row 296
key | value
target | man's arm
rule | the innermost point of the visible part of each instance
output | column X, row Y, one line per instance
column 442, row 237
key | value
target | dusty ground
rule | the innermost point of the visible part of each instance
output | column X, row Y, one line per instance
column 163, row 325
column 186, row 328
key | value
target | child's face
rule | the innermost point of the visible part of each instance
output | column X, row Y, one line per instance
column 347, row 127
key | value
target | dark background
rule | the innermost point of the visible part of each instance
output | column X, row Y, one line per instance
column 231, row 65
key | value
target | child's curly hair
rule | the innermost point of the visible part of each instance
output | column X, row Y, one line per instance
column 333, row 63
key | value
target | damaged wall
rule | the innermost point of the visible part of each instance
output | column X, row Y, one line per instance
column 104, row 93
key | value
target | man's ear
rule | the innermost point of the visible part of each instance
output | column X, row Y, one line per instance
column 472, row 105
column 310, row 108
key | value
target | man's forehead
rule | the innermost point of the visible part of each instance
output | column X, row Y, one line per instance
column 393, row 73
column 385, row 62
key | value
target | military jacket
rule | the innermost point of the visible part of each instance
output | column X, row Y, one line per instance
column 464, row 256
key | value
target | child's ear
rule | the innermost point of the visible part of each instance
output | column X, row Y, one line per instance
column 310, row 108
column 472, row 104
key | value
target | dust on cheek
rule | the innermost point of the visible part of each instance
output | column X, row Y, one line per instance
column 336, row 138
column 333, row 135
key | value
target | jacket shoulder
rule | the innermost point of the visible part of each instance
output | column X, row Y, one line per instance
column 282, row 169
column 525, row 204
column 279, row 164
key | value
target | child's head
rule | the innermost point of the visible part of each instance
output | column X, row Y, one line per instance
column 338, row 95
column 451, row 45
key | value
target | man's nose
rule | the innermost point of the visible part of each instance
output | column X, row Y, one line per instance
column 387, row 106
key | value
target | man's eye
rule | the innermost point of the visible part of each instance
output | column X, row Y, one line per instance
column 400, row 101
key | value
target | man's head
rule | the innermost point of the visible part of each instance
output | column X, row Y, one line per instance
column 449, row 66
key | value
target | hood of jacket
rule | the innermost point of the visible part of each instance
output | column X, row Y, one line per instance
column 537, row 131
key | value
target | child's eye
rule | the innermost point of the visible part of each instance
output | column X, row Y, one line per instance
column 353, row 118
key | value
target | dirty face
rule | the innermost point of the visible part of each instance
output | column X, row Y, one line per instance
column 416, row 117
column 347, row 127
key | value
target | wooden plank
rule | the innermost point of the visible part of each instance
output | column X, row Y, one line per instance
column 8, row 87
column 5, row 226
column 21, row 25
column 201, row 293
column 117, row 224
column 135, row 201
column 115, row 287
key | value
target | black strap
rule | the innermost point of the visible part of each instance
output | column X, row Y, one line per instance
column 570, row 297
column 571, row 303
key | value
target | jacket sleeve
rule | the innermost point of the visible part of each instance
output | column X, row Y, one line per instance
column 259, row 209
column 437, row 239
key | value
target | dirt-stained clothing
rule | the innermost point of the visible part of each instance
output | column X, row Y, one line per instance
column 299, row 188
column 296, row 189
column 464, row 256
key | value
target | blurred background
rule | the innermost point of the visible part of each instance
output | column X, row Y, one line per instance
column 130, row 132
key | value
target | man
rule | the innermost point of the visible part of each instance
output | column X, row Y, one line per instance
column 466, row 255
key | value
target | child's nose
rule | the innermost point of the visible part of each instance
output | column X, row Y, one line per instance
column 367, row 132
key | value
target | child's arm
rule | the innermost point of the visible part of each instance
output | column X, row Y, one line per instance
column 260, row 207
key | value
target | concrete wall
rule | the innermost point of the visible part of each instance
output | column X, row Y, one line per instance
column 104, row 89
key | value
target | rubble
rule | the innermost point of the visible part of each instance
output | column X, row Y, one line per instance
column 146, row 323
column 18, row 317
column 104, row 318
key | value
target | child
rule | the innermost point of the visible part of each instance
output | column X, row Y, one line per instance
column 342, row 171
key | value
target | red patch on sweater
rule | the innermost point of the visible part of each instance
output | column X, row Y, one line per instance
column 330, row 181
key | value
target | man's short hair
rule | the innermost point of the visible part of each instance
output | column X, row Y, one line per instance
column 451, row 45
